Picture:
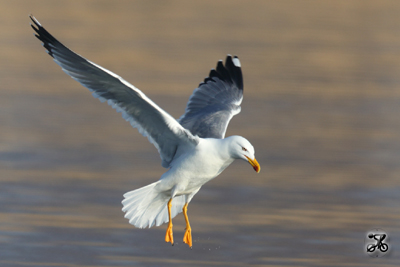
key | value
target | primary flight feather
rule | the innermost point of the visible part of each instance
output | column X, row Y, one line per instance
column 193, row 148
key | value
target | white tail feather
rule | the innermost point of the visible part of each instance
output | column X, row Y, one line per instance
column 146, row 207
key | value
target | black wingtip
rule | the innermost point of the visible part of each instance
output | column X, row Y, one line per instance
column 34, row 20
column 230, row 72
column 36, row 23
column 232, row 64
column 43, row 35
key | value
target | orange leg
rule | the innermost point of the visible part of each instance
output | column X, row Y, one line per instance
column 187, row 238
column 168, row 235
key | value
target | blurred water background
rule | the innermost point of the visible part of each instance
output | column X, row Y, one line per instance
column 321, row 107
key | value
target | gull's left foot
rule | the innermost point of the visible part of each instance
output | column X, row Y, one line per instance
column 187, row 237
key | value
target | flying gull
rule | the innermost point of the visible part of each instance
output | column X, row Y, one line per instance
column 193, row 148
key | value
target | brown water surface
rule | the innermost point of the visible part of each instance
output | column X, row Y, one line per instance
column 321, row 107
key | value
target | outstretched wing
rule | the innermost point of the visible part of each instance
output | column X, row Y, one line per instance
column 216, row 100
column 160, row 128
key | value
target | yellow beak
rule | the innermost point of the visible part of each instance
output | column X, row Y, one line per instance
column 254, row 163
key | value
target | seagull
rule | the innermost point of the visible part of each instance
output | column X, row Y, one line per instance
column 193, row 148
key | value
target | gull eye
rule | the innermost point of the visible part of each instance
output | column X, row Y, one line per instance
column 244, row 149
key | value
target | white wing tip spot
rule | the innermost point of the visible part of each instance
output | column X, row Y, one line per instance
column 236, row 62
column 36, row 21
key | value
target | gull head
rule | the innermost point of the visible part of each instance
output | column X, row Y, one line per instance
column 240, row 148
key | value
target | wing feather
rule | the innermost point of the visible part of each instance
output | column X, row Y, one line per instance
column 160, row 128
column 216, row 100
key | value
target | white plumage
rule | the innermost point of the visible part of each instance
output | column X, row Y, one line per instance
column 145, row 207
column 193, row 148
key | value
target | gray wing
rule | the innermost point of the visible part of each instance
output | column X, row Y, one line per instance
column 160, row 128
column 215, row 101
